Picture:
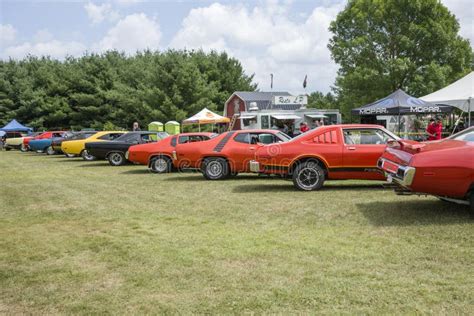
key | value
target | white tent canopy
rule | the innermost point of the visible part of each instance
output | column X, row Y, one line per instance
column 206, row 116
column 458, row 94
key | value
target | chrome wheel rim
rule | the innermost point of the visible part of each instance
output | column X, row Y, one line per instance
column 214, row 169
column 160, row 165
column 50, row 150
column 308, row 178
column 87, row 155
column 116, row 159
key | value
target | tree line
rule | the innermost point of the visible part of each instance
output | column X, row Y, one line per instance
column 114, row 89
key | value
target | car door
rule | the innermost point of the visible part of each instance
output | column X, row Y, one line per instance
column 187, row 153
column 362, row 148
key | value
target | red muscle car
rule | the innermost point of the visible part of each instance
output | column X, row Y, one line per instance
column 333, row 152
column 224, row 155
column 159, row 156
column 442, row 168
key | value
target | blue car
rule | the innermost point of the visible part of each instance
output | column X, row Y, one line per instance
column 45, row 145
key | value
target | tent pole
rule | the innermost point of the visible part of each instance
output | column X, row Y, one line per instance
column 470, row 110
column 399, row 128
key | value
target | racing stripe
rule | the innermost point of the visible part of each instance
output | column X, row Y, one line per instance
column 223, row 141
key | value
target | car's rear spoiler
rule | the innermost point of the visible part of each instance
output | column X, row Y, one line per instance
column 410, row 146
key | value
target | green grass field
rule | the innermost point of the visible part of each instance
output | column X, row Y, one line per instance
column 78, row 237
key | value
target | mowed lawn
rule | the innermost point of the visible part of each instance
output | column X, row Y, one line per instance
column 79, row 237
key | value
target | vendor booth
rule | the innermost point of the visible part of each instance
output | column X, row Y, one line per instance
column 14, row 126
column 206, row 116
column 398, row 112
column 172, row 127
column 459, row 94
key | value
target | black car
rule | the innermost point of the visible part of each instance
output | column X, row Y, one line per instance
column 56, row 142
column 114, row 151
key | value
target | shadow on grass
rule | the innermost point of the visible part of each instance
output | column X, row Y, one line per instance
column 137, row 171
column 419, row 212
column 285, row 186
column 90, row 164
column 195, row 175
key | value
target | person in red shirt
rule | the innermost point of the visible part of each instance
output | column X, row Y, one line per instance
column 434, row 129
column 304, row 127
column 438, row 128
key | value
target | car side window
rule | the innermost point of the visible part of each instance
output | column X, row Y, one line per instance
column 110, row 136
column 242, row 138
column 370, row 136
column 173, row 141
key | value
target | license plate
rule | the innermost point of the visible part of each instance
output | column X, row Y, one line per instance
column 389, row 166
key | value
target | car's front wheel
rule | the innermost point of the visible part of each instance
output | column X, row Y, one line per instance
column 215, row 169
column 308, row 176
column 70, row 155
column 116, row 159
column 86, row 156
column 50, row 150
column 23, row 148
column 161, row 164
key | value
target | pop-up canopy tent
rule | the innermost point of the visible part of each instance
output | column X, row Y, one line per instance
column 400, row 103
column 206, row 116
column 14, row 126
column 458, row 94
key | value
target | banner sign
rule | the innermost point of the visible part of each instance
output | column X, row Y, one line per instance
column 290, row 99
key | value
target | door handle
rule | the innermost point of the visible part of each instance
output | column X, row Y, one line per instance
column 351, row 148
column 252, row 148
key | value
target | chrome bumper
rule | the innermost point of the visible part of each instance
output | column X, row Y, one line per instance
column 126, row 155
column 403, row 176
column 254, row 166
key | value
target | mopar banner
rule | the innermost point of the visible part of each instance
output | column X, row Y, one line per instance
column 400, row 103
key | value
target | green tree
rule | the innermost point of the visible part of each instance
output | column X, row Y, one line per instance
column 318, row 100
column 384, row 45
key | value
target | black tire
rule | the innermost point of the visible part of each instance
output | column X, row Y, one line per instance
column 7, row 148
column 50, row 151
column 86, row 156
column 23, row 148
column 215, row 169
column 70, row 155
column 161, row 164
column 116, row 159
column 308, row 176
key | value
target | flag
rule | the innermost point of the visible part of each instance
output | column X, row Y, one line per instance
column 271, row 81
column 305, row 82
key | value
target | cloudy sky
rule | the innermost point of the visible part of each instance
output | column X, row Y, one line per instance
column 286, row 38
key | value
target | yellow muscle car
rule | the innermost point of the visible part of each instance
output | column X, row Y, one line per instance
column 77, row 147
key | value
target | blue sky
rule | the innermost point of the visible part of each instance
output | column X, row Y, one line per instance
column 286, row 38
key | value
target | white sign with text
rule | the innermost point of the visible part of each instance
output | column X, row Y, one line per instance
column 290, row 99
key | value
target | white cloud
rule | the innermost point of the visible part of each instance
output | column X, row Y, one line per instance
column 43, row 36
column 52, row 48
column 267, row 41
column 99, row 13
column 464, row 12
column 7, row 33
column 132, row 33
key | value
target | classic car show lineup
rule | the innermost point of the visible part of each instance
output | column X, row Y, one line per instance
column 442, row 168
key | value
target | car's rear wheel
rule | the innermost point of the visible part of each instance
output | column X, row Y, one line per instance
column 86, row 156
column 215, row 169
column 116, row 159
column 7, row 148
column 50, row 150
column 308, row 176
column 161, row 164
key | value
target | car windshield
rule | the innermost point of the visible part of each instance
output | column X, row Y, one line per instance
column 467, row 135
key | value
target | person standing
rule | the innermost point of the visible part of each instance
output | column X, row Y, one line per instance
column 431, row 129
column 303, row 127
column 136, row 127
column 438, row 128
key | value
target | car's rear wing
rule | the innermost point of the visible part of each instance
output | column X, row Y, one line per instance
column 409, row 146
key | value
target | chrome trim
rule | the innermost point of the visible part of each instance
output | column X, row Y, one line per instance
column 404, row 180
column 254, row 166
column 126, row 155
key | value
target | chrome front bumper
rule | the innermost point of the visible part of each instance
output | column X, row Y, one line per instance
column 254, row 166
column 403, row 176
